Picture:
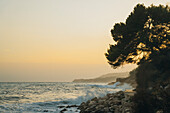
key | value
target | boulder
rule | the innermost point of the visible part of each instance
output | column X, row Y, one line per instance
column 111, row 103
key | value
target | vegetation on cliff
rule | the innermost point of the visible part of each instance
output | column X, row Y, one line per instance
column 144, row 39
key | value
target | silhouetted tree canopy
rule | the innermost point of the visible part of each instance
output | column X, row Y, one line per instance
column 145, row 34
column 145, row 39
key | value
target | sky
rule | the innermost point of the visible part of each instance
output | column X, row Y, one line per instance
column 59, row 40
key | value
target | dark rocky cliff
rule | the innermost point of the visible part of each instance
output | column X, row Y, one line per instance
column 131, row 79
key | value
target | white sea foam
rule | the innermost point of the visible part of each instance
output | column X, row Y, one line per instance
column 39, row 97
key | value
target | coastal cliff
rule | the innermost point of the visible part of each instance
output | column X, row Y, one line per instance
column 107, row 78
column 131, row 79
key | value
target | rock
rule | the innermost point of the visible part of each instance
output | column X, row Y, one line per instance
column 117, row 102
column 91, row 103
column 106, row 109
column 114, row 103
column 45, row 111
column 111, row 83
column 88, row 109
column 62, row 111
column 82, row 104
column 101, row 101
column 60, row 106
column 109, row 95
column 71, row 106
column 100, row 107
column 94, row 99
column 88, row 102
column 117, row 111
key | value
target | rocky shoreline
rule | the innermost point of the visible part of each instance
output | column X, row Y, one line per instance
column 119, row 102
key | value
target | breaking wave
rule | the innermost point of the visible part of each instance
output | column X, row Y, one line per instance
column 39, row 97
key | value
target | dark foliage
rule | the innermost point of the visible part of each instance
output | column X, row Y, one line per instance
column 144, row 39
column 142, row 35
column 153, row 90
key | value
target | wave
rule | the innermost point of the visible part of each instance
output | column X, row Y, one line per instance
column 105, row 86
column 58, row 95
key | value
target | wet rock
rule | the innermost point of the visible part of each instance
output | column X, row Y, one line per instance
column 94, row 99
column 111, row 83
column 61, row 106
column 116, row 101
column 91, row 103
column 100, row 101
column 62, row 111
column 100, row 107
column 112, row 103
column 45, row 111
column 70, row 106
column 106, row 109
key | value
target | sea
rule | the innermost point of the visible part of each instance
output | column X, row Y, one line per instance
column 38, row 97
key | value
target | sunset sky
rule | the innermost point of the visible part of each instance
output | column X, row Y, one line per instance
column 59, row 40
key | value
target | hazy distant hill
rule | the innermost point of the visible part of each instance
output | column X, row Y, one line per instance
column 111, row 77
column 131, row 79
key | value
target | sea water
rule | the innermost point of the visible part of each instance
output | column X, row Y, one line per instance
column 50, row 96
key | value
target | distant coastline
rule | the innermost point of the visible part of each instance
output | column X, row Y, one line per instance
column 106, row 78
